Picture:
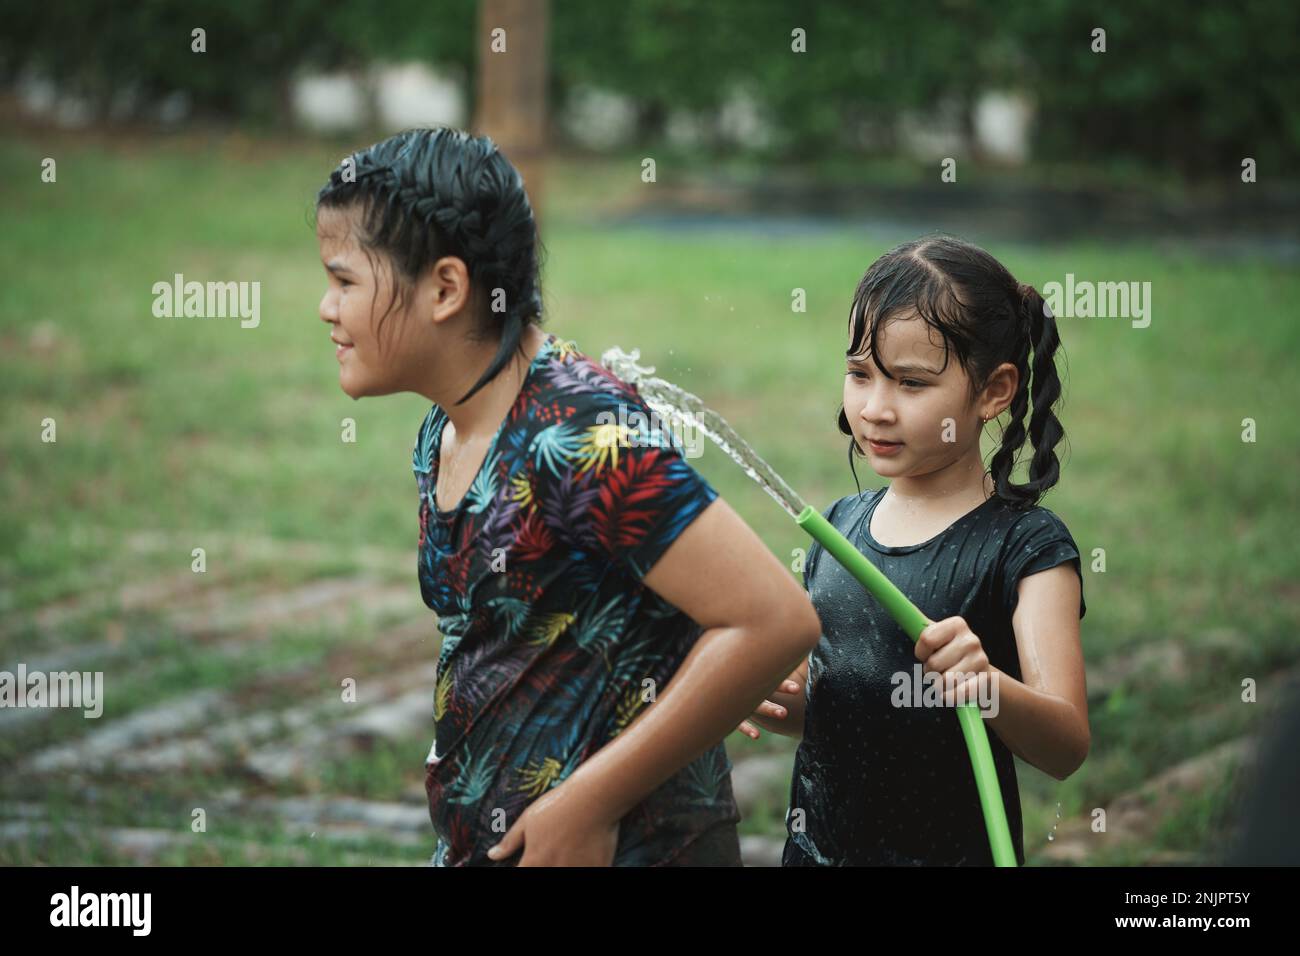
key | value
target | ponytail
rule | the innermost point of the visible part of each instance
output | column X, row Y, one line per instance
column 1045, row 430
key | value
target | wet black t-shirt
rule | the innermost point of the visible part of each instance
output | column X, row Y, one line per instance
column 877, row 784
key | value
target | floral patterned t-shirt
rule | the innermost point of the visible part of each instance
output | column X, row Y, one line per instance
column 551, row 642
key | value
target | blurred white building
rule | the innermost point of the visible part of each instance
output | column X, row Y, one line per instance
column 391, row 95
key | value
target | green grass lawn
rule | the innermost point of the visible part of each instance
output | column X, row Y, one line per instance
column 197, row 427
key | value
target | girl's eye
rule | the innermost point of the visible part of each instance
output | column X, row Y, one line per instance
column 908, row 382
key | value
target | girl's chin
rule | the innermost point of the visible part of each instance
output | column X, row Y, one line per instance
column 357, row 386
column 352, row 384
column 887, row 465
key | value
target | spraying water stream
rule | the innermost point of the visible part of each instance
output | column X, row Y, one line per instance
column 680, row 408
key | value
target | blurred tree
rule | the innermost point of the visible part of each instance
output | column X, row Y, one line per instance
column 103, row 49
column 1191, row 87
column 511, row 105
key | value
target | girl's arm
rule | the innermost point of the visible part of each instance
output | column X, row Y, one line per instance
column 758, row 625
column 1044, row 720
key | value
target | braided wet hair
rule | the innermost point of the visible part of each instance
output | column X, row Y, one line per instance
column 429, row 193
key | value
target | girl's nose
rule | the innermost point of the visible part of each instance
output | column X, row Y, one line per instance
column 328, row 311
column 875, row 408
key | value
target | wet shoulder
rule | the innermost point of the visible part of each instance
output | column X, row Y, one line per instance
column 1018, row 524
column 1032, row 540
column 574, row 389
column 570, row 374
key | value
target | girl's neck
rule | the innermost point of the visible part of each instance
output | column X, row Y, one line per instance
column 485, row 410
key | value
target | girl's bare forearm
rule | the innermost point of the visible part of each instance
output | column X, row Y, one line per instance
column 1040, row 728
column 717, row 686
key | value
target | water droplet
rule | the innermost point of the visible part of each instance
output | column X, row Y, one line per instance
column 1051, row 837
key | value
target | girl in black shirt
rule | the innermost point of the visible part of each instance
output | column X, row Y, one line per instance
column 882, row 775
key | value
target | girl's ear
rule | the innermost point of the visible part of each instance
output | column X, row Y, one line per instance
column 446, row 291
column 999, row 391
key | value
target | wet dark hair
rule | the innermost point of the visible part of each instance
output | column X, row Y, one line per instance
column 429, row 193
column 986, row 317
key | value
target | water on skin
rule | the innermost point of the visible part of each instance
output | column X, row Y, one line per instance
column 680, row 409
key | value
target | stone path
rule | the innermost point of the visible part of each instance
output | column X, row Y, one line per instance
column 276, row 735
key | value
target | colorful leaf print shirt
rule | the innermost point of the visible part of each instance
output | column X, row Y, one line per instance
column 550, row 638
